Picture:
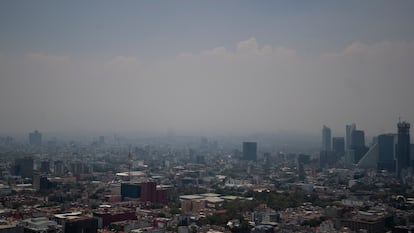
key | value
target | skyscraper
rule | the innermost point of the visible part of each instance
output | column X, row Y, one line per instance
column 403, row 147
column 357, row 138
column 358, row 144
column 386, row 151
column 338, row 145
column 326, row 138
column 349, row 129
column 250, row 151
column 35, row 138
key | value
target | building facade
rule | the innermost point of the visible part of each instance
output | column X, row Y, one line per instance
column 326, row 138
column 386, row 152
column 250, row 151
column 35, row 138
column 403, row 147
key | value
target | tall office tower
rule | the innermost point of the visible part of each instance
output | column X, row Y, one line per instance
column 358, row 144
column 250, row 151
column 338, row 145
column 349, row 129
column 386, row 151
column 403, row 147
column 35, row 138
column 357, row 138
column 326, row 138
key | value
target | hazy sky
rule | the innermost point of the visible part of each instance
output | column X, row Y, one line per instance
column 206, row 66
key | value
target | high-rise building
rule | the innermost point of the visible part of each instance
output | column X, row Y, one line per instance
column 338, row 145
column 35, row 138
column 250, row 151
column 370, row 159
column 349, row 129
column 149, row 192
column 357, row 138
column 350, row 156
column 24, row 167
column 358, row 144
column 403, row 147
column 326, row 138
column 386, row 145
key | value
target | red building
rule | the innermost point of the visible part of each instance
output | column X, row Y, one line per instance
column 109, row 216
column 149, row 192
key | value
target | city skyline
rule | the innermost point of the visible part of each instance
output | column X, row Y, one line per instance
column 206, row 68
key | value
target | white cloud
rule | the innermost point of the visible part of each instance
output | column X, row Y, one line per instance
column 248, row 45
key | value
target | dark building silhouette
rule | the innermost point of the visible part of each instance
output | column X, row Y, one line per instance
column 403, row 147
column 200, row 159
column 357, row 138
column 327, row 158
column 386, row 149
column 23, row 167
column 302, row 159
column 349, row 129
column 35, row 138
column 129, row 190
column 59, row 168
column 359, row 152
column 301, row 172
column 82, row 224
column 106, row 217
column 41, row 182
column 412, row 155
column 250, row 151
column 338, row 145
column 149, row 192
column 326, row 138
column 358, row 144
column 146, row 191
column 45, row 166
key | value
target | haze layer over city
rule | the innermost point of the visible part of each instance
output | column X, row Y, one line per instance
column 206, row 116
column 205, row 68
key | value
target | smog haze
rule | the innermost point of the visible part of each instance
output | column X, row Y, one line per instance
column 205, row 67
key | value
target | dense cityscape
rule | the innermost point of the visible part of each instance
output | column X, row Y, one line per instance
column 349, row 185
column 218, row 116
